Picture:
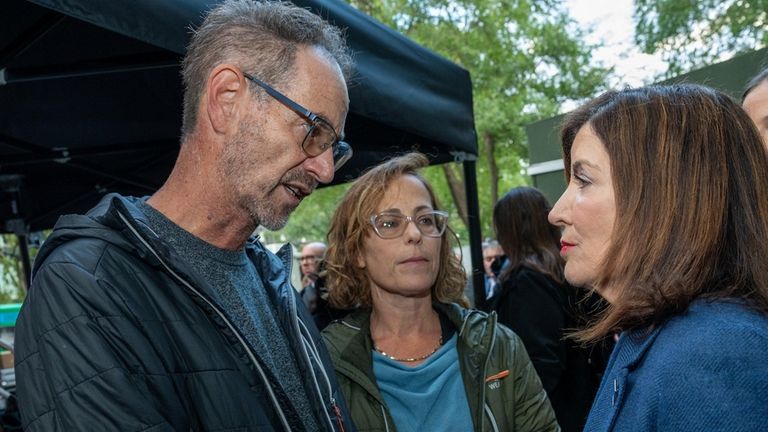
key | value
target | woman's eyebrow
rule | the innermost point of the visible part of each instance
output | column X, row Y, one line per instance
column 581, row 162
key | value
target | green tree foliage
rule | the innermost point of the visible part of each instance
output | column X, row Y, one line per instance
column 11, row 284
column 525, row 58
column 693, row 33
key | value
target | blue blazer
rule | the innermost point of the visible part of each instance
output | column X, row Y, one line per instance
column 703, row 370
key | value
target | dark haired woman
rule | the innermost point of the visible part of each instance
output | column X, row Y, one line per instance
column 665, row 217
column 536, row 303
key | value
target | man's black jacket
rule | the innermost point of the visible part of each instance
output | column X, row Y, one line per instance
column 118, row 334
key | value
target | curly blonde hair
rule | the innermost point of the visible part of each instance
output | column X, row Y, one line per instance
column 348, row 284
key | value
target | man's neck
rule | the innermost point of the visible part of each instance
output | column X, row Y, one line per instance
column 193, row 200
column 215, row 225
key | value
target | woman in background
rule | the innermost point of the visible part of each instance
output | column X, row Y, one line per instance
column 536, row 303
column 755, row 102
column 665, row 216
column 411, row 358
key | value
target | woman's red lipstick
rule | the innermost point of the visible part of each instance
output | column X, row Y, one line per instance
column 565, row 247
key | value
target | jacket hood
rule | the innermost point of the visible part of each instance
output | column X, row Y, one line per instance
column 98, row 223
column 109, row 221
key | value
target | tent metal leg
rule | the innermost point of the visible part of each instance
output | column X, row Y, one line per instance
column 25, row 261
column 475, row 236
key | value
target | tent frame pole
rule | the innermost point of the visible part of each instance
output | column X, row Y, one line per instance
column 26, row 262
column 475, row 236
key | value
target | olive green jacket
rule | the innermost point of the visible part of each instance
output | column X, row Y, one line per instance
column 513, row 402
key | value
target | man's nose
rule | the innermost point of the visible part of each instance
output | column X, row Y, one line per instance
column 321, row 166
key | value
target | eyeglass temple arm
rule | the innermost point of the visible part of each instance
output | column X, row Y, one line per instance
column 282, row 98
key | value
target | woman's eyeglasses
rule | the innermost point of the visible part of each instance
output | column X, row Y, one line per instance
column 392, row 225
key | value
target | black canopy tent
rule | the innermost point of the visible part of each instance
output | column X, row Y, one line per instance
column 90, row 102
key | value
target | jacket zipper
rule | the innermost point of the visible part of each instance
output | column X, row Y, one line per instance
column 232, row 328
column 384, row 414
column 306, row 341
column 486, row 408
column 491, row 417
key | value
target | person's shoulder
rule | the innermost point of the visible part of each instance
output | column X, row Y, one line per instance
column 531, row 284
column 481, row 328
column 345, row 328
column 720, row 319
column 714, row 332
column 711, row 355
column 85, row 254
column 527, row 275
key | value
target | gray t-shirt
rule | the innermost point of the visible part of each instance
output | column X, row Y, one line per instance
column 239, row 289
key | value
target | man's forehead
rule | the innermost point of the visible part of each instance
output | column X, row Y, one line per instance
column 312, row 249
column 319, row 71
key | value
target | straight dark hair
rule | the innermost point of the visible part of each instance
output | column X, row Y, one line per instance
column 691, row 188
column 528, row 239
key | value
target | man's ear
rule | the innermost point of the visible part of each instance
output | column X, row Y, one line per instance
column 224, row 93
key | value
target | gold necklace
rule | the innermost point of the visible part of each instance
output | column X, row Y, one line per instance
column 410, row 359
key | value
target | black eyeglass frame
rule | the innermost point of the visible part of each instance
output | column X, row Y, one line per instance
column 342, row 151
column 410, row 219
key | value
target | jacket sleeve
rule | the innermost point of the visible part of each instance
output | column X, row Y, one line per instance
column 74, row 364
column 532, row 409
column 528, row 306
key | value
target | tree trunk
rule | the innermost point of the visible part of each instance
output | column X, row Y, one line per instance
column 456, row 186
column 493, row 170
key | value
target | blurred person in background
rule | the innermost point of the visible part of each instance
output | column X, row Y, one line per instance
column 411, row 357
column 315, row 293
column 493, row 257
column 664, row 216
column 310, row 260
column 536, row 303
column 312, row 254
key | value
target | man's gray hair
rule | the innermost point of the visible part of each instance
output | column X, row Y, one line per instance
column 261, row 37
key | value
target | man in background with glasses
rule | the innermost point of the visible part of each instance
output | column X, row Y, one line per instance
column 315, row 293
column 312, row 254
column 163, row 313
column 310, row 259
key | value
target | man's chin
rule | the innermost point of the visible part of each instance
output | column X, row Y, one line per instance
column 275, row 221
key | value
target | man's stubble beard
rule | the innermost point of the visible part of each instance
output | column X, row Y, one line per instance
column 244, row 155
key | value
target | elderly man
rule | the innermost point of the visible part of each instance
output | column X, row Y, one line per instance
column 309, row 262
column 163, row 313
column 492, row 256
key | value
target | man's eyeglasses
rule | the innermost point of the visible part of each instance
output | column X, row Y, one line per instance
column 320, row 134
column 490, row 258
column 392, row 225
